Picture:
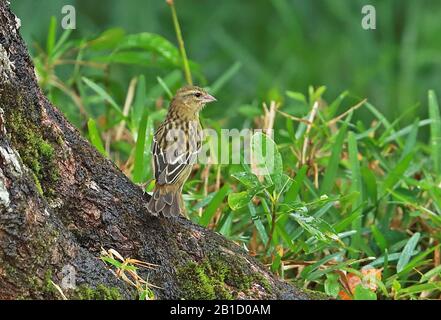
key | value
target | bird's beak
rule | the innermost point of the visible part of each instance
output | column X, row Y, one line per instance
column 208, row 98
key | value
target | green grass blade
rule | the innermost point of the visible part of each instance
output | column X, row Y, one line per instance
column 356, row 186
column 95, row 137
column 103, row 94
column 258, row 223
column 293, row 191
column 334, row 160
column 397, row 173
column 411, row 140
column 224, row 78
column 435, row 132
column 51, row 34
column 210, row 210
column 406, row 254
column 138, row 168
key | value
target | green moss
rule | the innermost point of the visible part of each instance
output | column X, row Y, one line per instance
column 101, row 292
column 218, row 278
column 36, row 152
column 37, row 184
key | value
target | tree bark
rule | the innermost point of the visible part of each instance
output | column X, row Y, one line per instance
column 61, row 201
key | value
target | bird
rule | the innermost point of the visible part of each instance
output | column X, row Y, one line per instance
column 175, row 147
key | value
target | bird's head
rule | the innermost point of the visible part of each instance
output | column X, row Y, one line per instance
column 191, row 99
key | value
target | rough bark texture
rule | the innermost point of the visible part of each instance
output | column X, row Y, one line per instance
column 61, row 201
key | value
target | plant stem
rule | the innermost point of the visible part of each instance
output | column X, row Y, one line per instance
column 273, row 224
column 180, row 42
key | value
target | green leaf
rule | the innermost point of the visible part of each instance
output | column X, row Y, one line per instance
column 258, row 223
column 225, row 77
column 435, row 132
column 356, row 186
column 165, row 87
column 139, row 105
column 298, row 96
column 407, row 252
column 397, row 173
column 210, row 210
column 109, row 39
column 362, row 293
column 152, row 43
column 267, row 159
column 103, row 94
column 248, row 179
column 333, row 107
column 139, row 165
column 411, row 140
column 332, row 286
column 238, row 200
column 317, row 227
column 334, row 160
column 293, row 191
column 95, row 137
column 370, row 182
column 51, row 35
column 379, row 238
column 431, row 273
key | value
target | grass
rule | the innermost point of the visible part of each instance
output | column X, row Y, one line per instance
column 352, row 209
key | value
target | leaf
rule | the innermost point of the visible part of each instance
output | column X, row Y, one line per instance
column 225, row 77
column 293, row 191
column 51, row 35
column 266, row 159
column 362, row 293
column 334, row 160
column 152, row 43
column 332, row 286
column 356, row 186
column 435, row 132
column 411, row 140
column 379, row 238
column 109, row 39
column 397, row 173
column 407, row 252
column 370, row 182
column 248, row 179
column 139, row 104
column 317, row 227
column 95, row 137
column 333, row 107
column 258, row 223
column 103, row 94
column 298, row 96
column 165, row 87
column 139, row 165
column 210, row 210
column 238, row 200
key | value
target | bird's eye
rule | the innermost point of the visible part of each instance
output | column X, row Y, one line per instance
column 197, row 94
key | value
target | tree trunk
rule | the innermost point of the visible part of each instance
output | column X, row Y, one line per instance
column 61, row 201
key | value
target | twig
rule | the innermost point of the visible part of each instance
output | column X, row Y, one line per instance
column 187, row 72
column 308, row 129
column 358, row 105
column 293, row 118
column 270, row 114
column 127, row 104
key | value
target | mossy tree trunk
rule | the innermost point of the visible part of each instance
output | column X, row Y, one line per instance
column 61, row 202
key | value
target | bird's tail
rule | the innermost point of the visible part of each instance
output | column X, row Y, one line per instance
column 165, row 201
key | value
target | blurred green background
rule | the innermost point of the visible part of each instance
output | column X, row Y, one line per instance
column 280, row 45
column 355, row 186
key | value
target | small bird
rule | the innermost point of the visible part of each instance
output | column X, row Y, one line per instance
column 175, row 147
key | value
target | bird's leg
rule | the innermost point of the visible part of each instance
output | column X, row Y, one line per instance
column 143, row 185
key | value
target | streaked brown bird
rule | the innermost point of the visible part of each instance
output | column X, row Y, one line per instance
column 176, row 144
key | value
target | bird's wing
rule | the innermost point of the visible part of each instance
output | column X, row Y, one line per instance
column 171, row 158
